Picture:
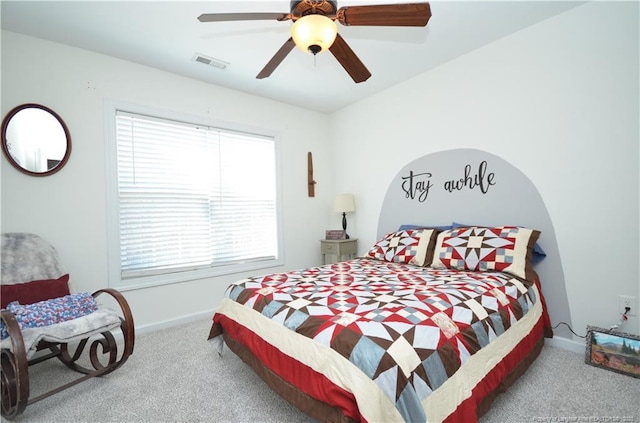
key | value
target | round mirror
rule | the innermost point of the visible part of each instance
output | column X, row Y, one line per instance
column 35, row 140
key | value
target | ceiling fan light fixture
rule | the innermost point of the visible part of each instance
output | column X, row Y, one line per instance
column 314, row 33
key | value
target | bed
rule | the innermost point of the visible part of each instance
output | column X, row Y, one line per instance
column 429, row 324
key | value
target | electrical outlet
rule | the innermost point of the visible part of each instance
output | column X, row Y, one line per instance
column 628, row 301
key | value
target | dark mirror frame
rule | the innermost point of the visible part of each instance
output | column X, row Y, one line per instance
column 7, row 154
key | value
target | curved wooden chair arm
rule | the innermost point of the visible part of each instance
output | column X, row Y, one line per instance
column 127, row 325
column 15, row 334
column 15, row 369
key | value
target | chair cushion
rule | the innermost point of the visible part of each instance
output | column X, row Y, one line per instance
column 49, row 312
column 68, row 331
column 34, row 291
column 55, row 310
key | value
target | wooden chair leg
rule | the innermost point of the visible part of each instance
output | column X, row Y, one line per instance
column 109, row 349
column 15, row 370
column 107, row 344
column 126, row 325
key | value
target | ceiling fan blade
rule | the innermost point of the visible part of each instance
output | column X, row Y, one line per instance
column 226, row 17
column 277, row 59
column 407, row 14
column 349, row 61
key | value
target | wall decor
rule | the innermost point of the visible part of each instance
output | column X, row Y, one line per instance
column 311, row 184
column 416, row 185
column 35, row 140
column 613, row 350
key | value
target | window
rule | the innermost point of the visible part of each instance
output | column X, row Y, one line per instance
column 192, row 201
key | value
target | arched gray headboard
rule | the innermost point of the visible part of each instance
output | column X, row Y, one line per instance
column 474, row 187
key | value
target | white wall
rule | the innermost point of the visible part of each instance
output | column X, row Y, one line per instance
column 68, row 208
column 559, row 101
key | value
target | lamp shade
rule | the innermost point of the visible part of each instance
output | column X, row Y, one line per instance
column 314, row 33
column 344, row 203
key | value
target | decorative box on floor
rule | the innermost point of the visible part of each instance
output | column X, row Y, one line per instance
column 92, row 334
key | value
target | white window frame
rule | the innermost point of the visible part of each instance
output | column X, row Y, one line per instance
column 112, row 202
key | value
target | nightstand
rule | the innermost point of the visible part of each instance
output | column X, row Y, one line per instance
column 338, row 250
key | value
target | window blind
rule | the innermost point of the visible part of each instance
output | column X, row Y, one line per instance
column 192, row 197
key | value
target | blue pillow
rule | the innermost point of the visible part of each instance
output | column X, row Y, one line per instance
column 538, row 253
column 438, row 227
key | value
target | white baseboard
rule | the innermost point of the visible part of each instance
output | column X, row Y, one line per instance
column 566, row 344
column 174, row 322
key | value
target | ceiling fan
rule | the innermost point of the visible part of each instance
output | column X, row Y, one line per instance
column 314, row 29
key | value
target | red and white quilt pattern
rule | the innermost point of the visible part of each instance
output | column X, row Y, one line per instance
column 410, row 246
column 505, row 249
column 408, row 328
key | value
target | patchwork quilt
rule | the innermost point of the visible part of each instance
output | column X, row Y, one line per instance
column 407, row 328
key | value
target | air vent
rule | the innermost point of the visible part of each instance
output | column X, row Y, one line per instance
column 210, row 61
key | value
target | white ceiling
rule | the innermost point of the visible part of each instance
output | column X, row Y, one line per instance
column 167, row 34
